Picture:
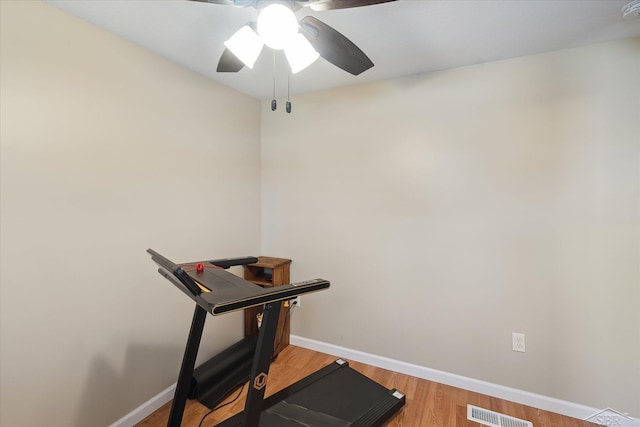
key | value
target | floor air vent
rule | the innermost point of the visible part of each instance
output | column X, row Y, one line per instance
column 494, row 419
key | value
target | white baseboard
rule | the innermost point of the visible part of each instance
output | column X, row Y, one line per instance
column 146, row 409
column 507, row 393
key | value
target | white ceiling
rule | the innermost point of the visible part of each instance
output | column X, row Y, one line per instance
column 401, row 38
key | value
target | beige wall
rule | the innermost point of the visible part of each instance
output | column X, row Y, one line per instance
column 451, row 209
column 448, row 209
column 107, row 150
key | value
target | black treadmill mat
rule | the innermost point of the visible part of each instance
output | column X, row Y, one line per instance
column 335, row 396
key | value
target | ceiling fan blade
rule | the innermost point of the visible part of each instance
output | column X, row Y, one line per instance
column 320, row 5
column 334, row 47
column 225, row 2
column 229, row 63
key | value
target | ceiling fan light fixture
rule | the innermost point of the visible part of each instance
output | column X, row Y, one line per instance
column 246, row 45
column 300, row 54
column 277, row 25
column 632, row 10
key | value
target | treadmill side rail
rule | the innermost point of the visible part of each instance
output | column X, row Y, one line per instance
column 383, row 411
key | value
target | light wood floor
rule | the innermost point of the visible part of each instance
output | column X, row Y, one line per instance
column 429, row 404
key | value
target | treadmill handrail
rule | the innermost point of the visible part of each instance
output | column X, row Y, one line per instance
column 230, row 262
column 228, row 292
column 222, row 262
column 278, row 293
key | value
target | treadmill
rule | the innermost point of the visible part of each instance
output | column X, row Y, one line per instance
column 334, row 396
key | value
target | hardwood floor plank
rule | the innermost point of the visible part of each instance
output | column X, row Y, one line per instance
column 429, row 404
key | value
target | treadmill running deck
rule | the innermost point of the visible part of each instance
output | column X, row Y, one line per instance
column 335, row 396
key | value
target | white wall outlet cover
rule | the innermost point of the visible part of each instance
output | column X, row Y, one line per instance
column 517, row 342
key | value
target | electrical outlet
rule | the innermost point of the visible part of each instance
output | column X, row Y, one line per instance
column 296, row 301
column 517, row 342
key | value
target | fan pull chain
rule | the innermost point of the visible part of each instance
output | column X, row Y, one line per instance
column 274, row 104
column 288, row 104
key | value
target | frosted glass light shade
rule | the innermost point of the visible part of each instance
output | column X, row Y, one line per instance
column 246, row 45
column 277, row 25
column 300, row 53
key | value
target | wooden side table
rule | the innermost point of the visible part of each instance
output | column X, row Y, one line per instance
column 269, row 271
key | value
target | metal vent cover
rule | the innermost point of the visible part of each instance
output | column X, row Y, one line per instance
column 494, row 419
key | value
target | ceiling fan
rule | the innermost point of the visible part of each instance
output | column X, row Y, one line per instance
column 303, row 41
